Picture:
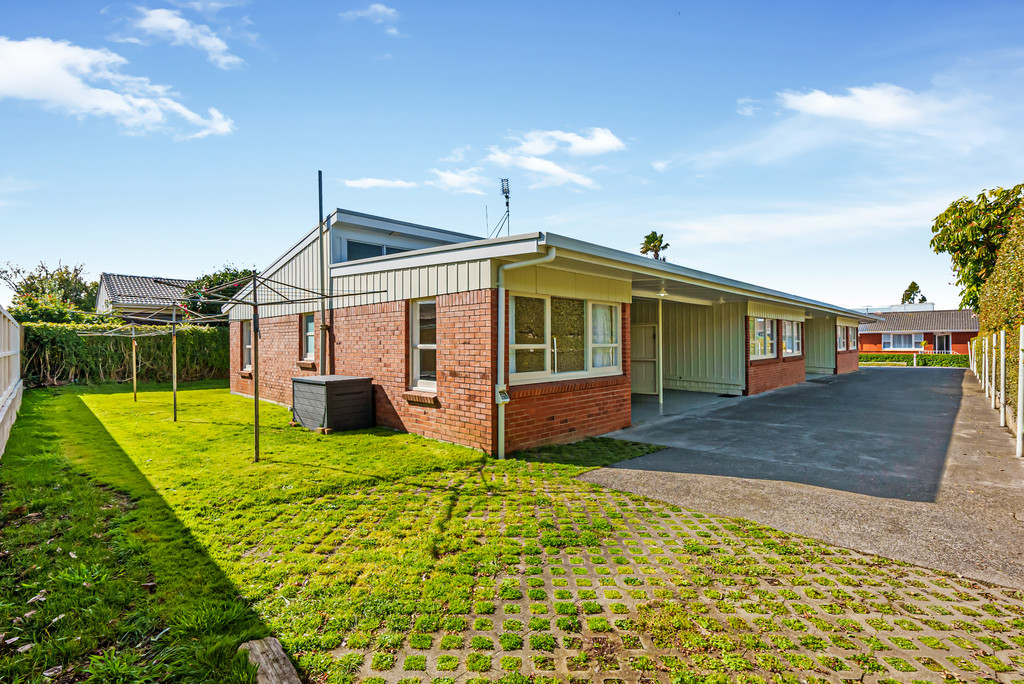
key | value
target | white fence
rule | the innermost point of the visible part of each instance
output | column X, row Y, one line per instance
column 10, row 374
column 988, row 361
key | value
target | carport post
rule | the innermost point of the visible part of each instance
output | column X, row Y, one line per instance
column 1002, row 378
column 1020, row 394
column 660, row 365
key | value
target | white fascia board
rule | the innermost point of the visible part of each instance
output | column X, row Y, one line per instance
column 381, row 224
column 672, row 271
column 496, row 248
column 292, row 251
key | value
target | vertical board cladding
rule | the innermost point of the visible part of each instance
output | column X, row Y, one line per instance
column 373, row 340
column 280, row 358
column 704, row 347
column 820, row 344
column 768, row 374
column 568, row 410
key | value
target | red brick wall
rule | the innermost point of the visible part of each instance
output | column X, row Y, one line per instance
column 280, row 353
column 373, row 340
column 871, row 343
column 847, row 361
column 959, row 342
column 568, row 410
column 781, row 371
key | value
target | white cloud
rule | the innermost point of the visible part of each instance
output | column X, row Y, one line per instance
column 377, row 13
column 595, row 141
column 824, row 223
column 392, row 31
column 365, row 183
column 87, row 82
column 882, row 105
column 747, row 106
column 209, row 7
column 458, row 154
column 171, row 26
column 460, row 181
column 661, row 165
column 551, row 174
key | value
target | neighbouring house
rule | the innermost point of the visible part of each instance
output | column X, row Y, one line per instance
column 139, row 299
column 919, row 329
column 512, row 342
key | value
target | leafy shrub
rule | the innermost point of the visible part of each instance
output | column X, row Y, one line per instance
column 1002, row 300
column 55, row 354
column 934, row 360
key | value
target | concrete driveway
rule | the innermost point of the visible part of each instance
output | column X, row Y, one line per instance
column 905, row 463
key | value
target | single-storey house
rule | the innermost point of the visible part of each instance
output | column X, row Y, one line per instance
column 920, row 331
column 139, row 299
column 512, row 342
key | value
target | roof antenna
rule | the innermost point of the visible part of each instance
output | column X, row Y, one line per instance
column 504, row 191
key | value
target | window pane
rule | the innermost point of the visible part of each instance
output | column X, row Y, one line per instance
column 528, row 360
column 606, row 357
column 428, row 364
column 602, row 325
column 568, row 344
column 528, row 313
column 394, row 250
column 428, row 323
column 363, row 250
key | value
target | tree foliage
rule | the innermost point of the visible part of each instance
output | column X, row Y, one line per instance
column 912, row 295
column 236, row 278
column 1002, row 299
column 971, row 232
column 654, row 244
column 50, row 294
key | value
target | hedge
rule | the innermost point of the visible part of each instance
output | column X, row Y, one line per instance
column 55, row 354
column 944, row 360
column 1001, row 301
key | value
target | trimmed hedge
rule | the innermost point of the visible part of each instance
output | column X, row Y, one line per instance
column 944, row 360
column 55, row 354
column 1002, row 300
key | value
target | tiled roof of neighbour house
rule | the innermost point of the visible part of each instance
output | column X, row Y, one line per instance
column 141, row 290
column 952, row 320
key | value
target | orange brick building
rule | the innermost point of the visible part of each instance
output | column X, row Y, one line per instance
column 579, row 329
column 920, row 332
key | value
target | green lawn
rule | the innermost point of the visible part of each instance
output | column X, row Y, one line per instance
column 383, row 557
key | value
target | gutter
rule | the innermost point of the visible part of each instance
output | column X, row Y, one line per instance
column 501, row 389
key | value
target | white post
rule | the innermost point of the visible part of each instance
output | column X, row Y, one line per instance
column 1020, row 395
column 992, row 380
column 660, row 349
column 984, row 365
column 1002, row 378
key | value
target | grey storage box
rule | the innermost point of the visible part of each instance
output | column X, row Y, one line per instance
column 338, row 402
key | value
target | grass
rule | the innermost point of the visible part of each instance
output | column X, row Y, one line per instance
column 382, row 557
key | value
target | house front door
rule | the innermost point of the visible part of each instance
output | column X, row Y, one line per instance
column 644, row 366
column 942, row 344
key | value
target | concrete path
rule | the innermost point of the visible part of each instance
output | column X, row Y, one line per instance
column 905, row 463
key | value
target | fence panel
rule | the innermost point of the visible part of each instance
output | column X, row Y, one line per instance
column 10, row 374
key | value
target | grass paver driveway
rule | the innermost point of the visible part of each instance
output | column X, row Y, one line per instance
column 383, row 557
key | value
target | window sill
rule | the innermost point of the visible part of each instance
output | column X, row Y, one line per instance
column 516, row 379
column 559, row 386
column 306, row 364
column 764, row 360
column 245, row 373
column 421, row 397
column 793, row 357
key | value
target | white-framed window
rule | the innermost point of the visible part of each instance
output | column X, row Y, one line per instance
column 841, row 337
column 762, row 338
column 308, row 330
column 902, row 340
column 559, row 337
column 853, row 337
column 246, row 345
column 424, row 344
column 792, row 338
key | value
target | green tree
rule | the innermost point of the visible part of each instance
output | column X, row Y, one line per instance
column 207, row 304
column 654, row 244
column 48, row 308
column 912, row 295
column 66, row 283
column 971, row 232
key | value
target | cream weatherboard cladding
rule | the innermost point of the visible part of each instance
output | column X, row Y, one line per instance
column 559, row 283
column 411, row 283
column 704, row 347
column 777, row 311
column 299, row 271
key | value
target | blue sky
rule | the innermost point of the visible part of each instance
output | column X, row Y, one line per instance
column 801, row 146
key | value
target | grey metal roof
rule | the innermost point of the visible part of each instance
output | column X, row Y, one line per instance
column 144, row 290
column 950, row 320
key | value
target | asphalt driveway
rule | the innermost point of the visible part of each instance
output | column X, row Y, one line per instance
column 905, row 463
